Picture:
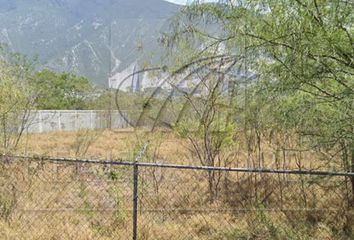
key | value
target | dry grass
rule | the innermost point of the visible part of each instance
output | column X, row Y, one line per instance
column 65, row 187
column 105, row 145
column 164, row 147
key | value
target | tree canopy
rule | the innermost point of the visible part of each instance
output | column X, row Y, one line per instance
column 292, row 63
column 61, row 90
column 301, row 51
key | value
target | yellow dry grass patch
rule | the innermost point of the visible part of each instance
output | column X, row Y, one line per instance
column 105, row 144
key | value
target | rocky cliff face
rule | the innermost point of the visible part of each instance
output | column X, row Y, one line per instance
column 94, row 38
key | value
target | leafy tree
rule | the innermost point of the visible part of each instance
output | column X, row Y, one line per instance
column 61, row 90
column 302, row 53
column 16, row 98
column 209, row 131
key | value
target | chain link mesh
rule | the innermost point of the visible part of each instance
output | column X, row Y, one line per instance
column 56, row 200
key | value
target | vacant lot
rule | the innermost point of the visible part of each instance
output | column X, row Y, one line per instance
column 79, row 201
column 102, row 144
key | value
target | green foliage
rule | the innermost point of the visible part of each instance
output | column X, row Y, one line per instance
column 16, row 98
column 61, row 91
column 301, row 98
column 12, row 96
column 103, row 101
column 302, row 52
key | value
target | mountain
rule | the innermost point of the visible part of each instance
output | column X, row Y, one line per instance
column 94, row 38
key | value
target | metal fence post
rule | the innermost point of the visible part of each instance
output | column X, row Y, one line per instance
column 135, row 190
column 135, row 200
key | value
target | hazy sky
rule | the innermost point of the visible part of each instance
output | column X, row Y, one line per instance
column 177, row 1
column 184, row 1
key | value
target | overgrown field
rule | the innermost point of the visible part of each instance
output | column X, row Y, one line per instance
column 43, row 200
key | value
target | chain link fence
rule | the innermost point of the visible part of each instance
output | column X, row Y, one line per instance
column 43, row 198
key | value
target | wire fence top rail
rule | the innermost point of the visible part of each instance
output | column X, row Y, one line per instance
column 122, row 162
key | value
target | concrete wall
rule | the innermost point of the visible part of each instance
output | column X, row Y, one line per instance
column 73, row 120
